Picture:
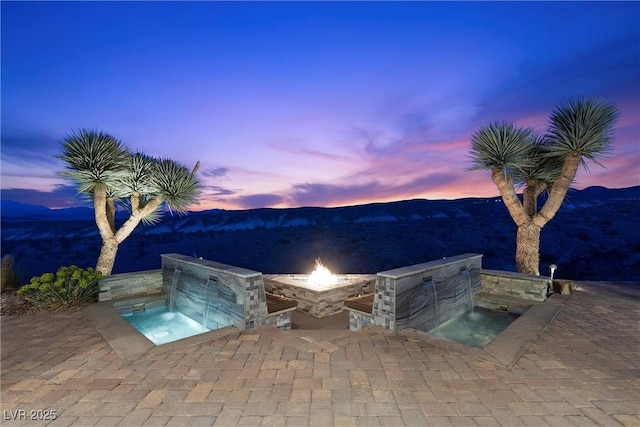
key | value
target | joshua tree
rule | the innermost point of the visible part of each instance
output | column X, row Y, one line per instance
column 105, row 170
column 579, row 130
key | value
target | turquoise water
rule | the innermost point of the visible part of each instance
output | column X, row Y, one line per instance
column 475, row 328
column 162, row 326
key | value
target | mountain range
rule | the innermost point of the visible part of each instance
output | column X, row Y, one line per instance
column 594, row 236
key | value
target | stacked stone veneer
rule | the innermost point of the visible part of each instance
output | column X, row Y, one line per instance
column 424, row 295
column 514, row 292
column 124, row 285
column 323, row 302
column 219, row 294
column 358, row 319
column 281, row 319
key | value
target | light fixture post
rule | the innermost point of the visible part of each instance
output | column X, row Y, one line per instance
column 552, row 269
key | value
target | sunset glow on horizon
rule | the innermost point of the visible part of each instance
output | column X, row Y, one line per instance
column 289, row 104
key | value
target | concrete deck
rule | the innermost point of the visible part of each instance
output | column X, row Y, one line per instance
column 581, row 369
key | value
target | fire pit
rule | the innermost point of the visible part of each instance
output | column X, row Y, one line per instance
column 321, row 293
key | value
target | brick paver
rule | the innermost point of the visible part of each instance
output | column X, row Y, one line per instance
column 584, row 369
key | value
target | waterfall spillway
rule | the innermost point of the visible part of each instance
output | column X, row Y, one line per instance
column 467, row 278
column 174, row 284
column 435, row 301
column 210, row 283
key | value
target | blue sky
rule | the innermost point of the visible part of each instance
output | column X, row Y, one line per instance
column 303, row 103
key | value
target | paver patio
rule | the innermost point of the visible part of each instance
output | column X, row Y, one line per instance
column 583, row 370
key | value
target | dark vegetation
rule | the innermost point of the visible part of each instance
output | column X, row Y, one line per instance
column 595, row 236
column 69, row 287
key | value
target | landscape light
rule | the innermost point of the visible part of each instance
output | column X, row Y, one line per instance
column 553, row 269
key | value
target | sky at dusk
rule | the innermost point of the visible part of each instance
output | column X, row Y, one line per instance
column 308, row 103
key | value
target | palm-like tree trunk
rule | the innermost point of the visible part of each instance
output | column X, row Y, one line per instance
column 528, row 236
column 509, row 197
column 559, row 189
column 527, row 249
column 111, row 213
column 111, row 238
column 528, row 221
column 530, row 197
column 522, row 213
column 107, row 257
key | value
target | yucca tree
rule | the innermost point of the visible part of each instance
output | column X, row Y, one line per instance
column 578, row 130
column 106, row 171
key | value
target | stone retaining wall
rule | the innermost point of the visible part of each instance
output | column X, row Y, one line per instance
column 124, row 285
column 517, row 285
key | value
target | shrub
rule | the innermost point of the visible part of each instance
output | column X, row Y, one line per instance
column 69, row 287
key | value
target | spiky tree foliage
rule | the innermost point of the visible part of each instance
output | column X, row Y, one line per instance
column 108, row 173
column 578, row 130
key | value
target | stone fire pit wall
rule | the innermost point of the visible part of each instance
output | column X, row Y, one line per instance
column 239, row 300
column 405, row 298
column 322, row 302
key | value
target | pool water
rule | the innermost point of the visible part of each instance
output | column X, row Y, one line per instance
column 162, row 326
column 476, row 328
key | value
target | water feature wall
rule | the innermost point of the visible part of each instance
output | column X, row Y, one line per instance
column 212, row 293
column 422, row 296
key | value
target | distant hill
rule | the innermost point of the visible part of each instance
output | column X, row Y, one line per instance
column 596, row 235
column 14, row 210
column 22, row 211
column 11, row 209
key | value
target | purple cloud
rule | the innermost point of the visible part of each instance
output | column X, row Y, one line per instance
column 62, row 196
column 24, row 146
column 215, row 173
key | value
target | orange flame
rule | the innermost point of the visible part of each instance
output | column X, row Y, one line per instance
column 321, row 275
